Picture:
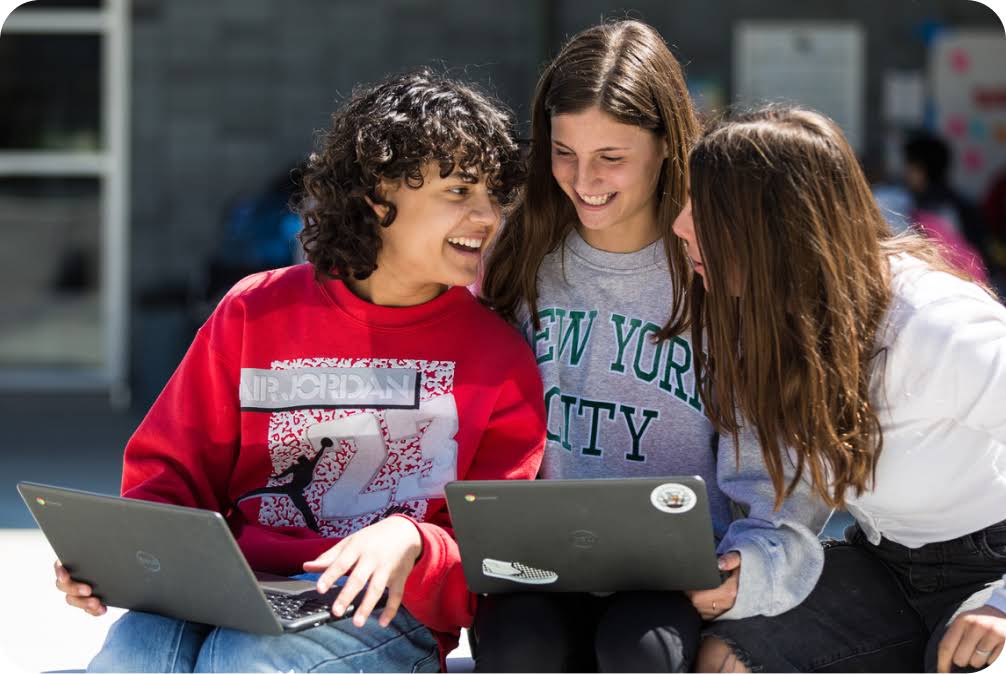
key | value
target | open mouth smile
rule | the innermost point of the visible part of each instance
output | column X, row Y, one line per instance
column 466, row 244
column 596, row 199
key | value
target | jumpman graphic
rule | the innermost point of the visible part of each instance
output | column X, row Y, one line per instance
column 303, row 474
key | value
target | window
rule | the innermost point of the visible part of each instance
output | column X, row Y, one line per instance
column 63, row 234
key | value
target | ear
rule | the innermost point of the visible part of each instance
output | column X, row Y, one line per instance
column 380, row 210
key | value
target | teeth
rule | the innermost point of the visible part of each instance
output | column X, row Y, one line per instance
column 466, row 242
column 597, row 200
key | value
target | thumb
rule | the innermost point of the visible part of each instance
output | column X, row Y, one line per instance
column 729, row 561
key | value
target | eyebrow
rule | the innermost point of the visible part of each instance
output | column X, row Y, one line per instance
column 600, row 149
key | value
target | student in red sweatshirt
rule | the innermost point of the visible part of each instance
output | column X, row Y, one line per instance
column 323, row 407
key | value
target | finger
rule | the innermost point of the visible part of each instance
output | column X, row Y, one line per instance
column 337, row 569
column 354, row 584
column 966, row 647
column 375, row 589
column 732, row 587
column 989, row 642
column 996, row 653
column 62, row 577
column 396, row 591
column 74, row 589
column 326, row 558
column 729, row 561
column 948, row 645
column 91, row 605
column 719, row 598
column 701, row 598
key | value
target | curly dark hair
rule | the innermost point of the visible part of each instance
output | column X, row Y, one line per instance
column 390, row 132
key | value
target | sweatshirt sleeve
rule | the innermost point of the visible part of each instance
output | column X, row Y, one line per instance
column 781, row 556
column 511, row 447
column 184, row 450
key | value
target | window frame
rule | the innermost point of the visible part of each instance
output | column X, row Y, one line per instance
column 110, row 167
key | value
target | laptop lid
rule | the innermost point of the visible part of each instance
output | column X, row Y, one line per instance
column 598, row 535
column 171, row 560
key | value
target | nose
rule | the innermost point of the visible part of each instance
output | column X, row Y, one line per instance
column 682, row 225
column 584, row 175
column 485, row 211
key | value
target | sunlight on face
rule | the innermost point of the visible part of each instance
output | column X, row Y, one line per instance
column 439, row 233
column 609, row 171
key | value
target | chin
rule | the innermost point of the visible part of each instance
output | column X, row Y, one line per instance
column 463, row 279
column 595, row 225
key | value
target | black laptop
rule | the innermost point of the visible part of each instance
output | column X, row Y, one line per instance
column 170, row 560
column 599, row 535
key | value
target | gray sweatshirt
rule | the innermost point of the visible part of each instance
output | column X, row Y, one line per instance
column 620, row 405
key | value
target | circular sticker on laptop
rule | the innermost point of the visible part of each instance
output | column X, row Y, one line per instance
column 673, row 498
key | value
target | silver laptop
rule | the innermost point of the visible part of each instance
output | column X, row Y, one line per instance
column 599, row 535
column 171, row 560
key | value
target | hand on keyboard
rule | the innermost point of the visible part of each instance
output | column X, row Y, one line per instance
column 377, row 557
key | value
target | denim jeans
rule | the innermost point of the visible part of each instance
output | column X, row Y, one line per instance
column 876, row 608
column 144, row 642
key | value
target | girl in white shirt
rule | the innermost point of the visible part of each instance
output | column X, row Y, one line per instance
column 877, row 370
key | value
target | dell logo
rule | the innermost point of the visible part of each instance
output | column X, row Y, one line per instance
column 148, row 561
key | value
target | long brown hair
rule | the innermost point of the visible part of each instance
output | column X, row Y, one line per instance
column 796, row 255
column 627, row 71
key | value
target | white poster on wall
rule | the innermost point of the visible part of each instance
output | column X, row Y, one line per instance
column 968, row 76
column 815, row 64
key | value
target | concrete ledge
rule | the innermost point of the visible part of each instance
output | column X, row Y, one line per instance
column 43, row 634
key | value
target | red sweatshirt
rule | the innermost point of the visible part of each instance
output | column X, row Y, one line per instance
column 303, row 414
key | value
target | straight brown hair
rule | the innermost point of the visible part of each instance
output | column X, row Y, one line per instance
column 797, row 254
column 626, row 70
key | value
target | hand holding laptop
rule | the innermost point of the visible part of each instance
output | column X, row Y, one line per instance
column 713, row 603
column 377, row 557
column 77, row 594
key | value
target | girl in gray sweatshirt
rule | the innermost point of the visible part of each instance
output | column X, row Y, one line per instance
column 588, row 268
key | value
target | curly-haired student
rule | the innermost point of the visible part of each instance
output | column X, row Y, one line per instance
column 323, row 407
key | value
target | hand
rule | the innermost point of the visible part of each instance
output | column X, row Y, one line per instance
column 974, row 639
column 77, row 594
column 381, row 556
column 715, row 602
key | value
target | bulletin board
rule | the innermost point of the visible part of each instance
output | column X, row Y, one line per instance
column 815, row 64
column 967, row 72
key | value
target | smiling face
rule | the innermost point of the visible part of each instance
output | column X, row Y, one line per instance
column 610, row 172
column 436, row 240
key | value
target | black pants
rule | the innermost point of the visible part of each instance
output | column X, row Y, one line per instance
column 574, row 632
column 876, row 608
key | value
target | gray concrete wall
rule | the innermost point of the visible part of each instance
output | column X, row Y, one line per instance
column 226, row 93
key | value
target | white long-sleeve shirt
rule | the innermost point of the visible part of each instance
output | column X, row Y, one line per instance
column 940, row 392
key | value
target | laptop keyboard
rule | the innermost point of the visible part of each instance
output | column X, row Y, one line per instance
column 293, row 606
